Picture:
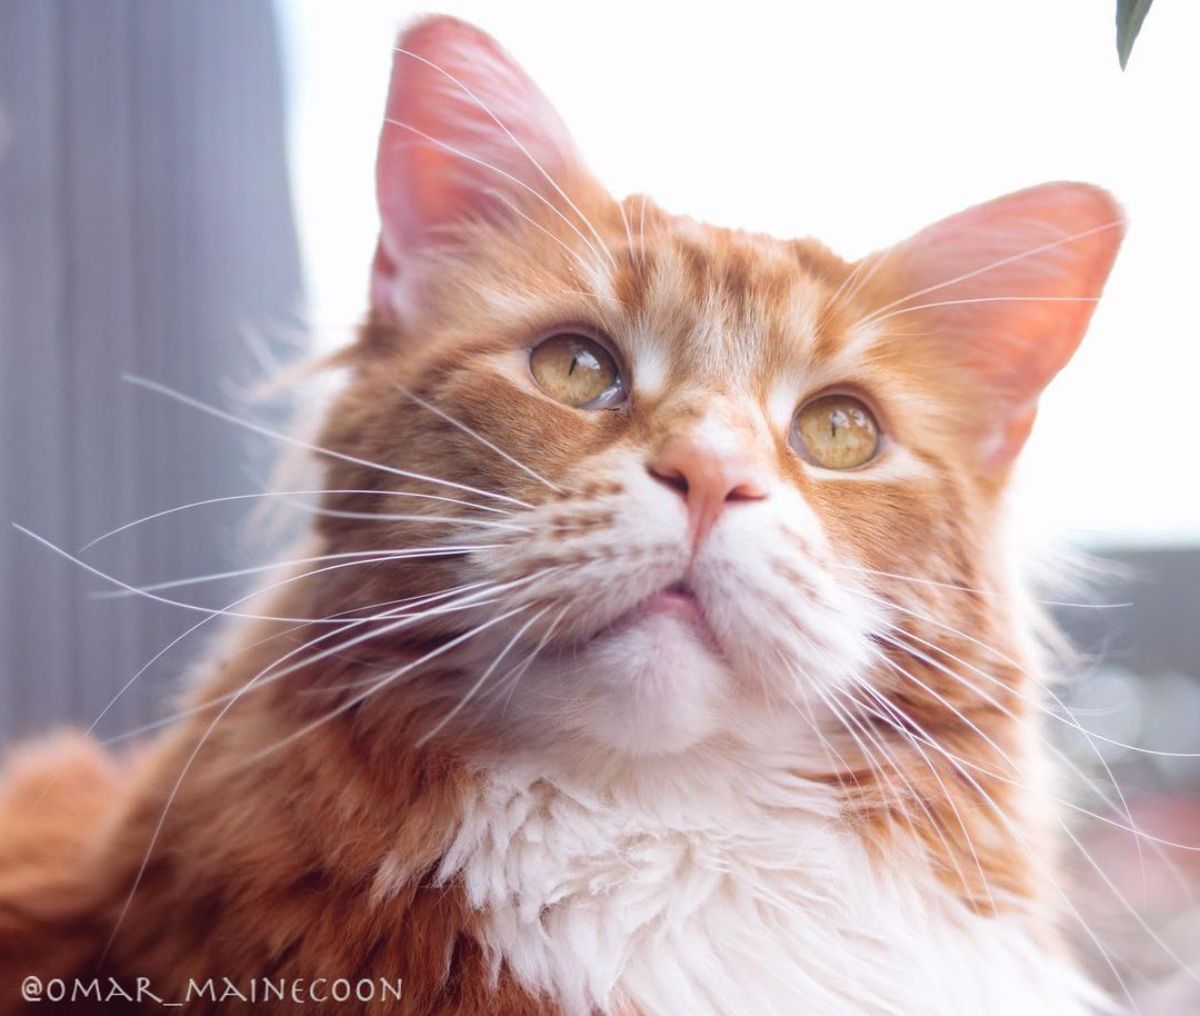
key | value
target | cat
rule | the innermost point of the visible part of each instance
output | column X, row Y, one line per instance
column 657, row 648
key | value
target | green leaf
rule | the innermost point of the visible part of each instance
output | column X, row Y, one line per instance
column 1130, row 15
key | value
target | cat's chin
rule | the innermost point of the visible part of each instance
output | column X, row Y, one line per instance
column 652, row 684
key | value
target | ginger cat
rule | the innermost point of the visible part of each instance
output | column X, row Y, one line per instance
column 656, row 649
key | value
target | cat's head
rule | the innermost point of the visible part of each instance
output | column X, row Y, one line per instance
column 688, row 478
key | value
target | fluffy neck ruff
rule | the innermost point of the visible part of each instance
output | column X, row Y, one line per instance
column 726, row 883
column 728, row 880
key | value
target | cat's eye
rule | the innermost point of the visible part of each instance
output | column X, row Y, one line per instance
column 577, row 370
column 835, row 432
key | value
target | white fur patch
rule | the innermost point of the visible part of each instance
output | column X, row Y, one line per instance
column 649, row 368
column 722, row 884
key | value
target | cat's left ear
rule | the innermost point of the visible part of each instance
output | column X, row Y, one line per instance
column 467, row 137
column 1003, row 292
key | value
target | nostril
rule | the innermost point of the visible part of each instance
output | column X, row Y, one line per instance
column 746, row 492
column 674, row 479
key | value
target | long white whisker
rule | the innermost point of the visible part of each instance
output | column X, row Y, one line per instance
column 443, row 520
column 381, row 683
column 1069, row 719
column 642, row 228
column 346, row 623
column 483, row 678
column 470, row 431
column 349, row 622
column 900, row 639
column 633, row 254
column 583, row 262
column 256, row 428
column 852, row 284
column 829, row 702
column 235, row 697
column 971, row 589
column 983, row 879
column 283, row 494
column 517, row 672
column 993, row 774
column 359, row 556
column 180, row 603
column 1133, row 911
column 1013, row 829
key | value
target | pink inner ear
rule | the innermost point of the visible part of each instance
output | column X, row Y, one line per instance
column 1007, row 289
column 467, row 136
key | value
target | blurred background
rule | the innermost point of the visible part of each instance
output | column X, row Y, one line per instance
column 186, row 195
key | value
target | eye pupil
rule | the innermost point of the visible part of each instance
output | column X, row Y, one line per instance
column 577, row 370
column 835, row 432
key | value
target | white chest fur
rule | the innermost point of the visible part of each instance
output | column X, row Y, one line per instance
column 759, row 903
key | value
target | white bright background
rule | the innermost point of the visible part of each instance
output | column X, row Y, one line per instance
column 856, row 122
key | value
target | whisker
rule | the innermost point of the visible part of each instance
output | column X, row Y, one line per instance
column 347, row 623
column 483, row 678
column 902, row 728
column 921, row 803
column 445, row 520
column 192, row 606
column 234, row 698
column 470, row 431
column 992, row 774
column 256, row 428
column 283, row 494
column 633, row 254
column 900, row 638
column 831, row 704
column 1069, row 719
column 642, row 226
column 853, row 283
column 1130, row 909
column 355, row 556
column 519, row 671
column 826, row 745
column 1122, row 809
column 971, row 589
column 381, row 683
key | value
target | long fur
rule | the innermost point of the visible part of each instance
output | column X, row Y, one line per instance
column 449, row 744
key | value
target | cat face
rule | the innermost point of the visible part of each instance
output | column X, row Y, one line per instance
column 681, row 482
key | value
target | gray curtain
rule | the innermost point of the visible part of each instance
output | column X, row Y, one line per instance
column 145, row 225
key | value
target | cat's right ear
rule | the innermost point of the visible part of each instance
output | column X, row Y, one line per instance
column 467, row 137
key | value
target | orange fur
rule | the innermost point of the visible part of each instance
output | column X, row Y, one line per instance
column 269, row 865
column 56, row 797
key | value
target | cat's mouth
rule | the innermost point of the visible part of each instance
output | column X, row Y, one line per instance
column 677, row 601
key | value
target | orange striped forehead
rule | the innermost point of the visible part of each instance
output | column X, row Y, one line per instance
column 690, row 308
column 717, row 310
column 710, row 325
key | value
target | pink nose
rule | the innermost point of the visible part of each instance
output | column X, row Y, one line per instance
column 707, row 479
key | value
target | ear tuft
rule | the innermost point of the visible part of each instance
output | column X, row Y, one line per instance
column 1005, row 291
column 467, row 136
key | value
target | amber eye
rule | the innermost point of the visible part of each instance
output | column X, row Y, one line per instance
column 836, row 432
column 577, row 370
